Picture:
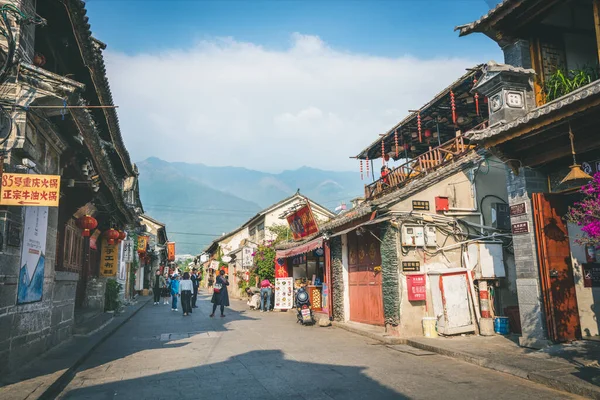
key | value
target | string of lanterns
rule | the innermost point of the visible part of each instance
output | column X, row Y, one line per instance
column 453, row 106
column 419, row 126
column 396, row 141
column 361, row 170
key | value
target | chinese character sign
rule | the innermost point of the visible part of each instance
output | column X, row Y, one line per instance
column 128, row 251
column 247, row 257
column 30, row 190
column 416, row 287
column 109, row 258
column 302, row 223
column 171, row 251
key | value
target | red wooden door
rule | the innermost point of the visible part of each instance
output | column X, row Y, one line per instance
column 366, row 297
column 556, row 271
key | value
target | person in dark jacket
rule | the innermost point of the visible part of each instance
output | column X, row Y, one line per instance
column 220, row 296
column 159, row 283
column 195, row 283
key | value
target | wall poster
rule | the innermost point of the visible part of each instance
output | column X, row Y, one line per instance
column 33, row 255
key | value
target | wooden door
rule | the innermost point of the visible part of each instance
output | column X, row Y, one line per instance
column 365, row 291
column 556, row 271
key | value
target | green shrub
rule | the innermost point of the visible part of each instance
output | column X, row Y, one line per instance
column 111, row 295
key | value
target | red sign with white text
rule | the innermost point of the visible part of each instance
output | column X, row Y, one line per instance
column 302, row 223
column 416, row 287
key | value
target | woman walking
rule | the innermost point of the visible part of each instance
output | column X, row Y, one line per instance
column 166, row 290
column 159, row 283
column 186, row 288
column 174, row 291
column 220, row 296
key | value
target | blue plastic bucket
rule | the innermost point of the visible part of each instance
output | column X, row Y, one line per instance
column 501, row 325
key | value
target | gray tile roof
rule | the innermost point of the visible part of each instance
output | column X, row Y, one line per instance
column 591, row 90
column 493, row 13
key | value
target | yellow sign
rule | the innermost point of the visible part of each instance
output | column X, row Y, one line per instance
column 30, row 190
column 109, row 259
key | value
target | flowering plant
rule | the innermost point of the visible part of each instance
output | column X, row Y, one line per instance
column 586, row 213
column 264, row 261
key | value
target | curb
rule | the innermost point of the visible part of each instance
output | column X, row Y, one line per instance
column 370, row 335
column 553, row 383
column 62, row 381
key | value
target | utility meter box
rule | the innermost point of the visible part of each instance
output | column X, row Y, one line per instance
column 486, row 259
column 413, row 236
column 430, row 236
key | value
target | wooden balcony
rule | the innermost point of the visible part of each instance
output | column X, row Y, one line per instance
column 419, row 166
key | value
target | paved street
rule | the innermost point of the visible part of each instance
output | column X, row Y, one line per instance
column 159, row 354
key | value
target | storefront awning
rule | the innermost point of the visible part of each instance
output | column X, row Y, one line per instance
column 375, row 221
column 303, row 248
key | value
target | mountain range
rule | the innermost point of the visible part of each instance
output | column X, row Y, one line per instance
column 199, row 202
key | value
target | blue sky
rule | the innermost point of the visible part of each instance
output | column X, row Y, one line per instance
column 422, row 28
column 228, row 82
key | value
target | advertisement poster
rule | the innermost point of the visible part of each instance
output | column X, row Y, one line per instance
column 33, row 257
column 284, row 293
column 30, row 190
column 171, row 251
column 122, row 274
column 109, row 259
column 302, row 223
column 280, row 268
column 325, row 298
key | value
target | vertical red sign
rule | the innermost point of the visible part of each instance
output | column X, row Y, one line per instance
column 416, row 287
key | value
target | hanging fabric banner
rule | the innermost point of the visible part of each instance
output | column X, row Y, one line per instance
column 142, row 244
column 171, row 251
column 109, row 259
column 302, row 223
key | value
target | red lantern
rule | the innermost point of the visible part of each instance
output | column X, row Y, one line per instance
column 122, row 236
column 427, row 133
column 383, row 152
column 396, row 141
column 419, row 126
column 87, row 223
column 361, row 170
column 367, row 160
column 111, row 235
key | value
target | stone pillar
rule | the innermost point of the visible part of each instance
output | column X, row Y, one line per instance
column 517, row 54
column 337, row 278
column 389, row 270
column 520, row 187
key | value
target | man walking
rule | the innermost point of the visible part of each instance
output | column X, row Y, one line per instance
column 195, row 284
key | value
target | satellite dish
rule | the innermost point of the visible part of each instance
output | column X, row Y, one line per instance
column 5, row 125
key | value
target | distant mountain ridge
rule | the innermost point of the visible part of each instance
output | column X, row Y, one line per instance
column 199, row 199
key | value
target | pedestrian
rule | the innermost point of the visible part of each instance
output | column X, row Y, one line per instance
column 174, row 291
column 196, row 283
column 220, row 296
column 159, row 283
column 166, row 290
column 186, row 288
column 265, row 288
column 211, row 280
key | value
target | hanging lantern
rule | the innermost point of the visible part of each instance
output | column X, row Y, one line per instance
column 427, row 133
column 396, row 141
column 383, row 152
column 476, row 97
column 453, row 106
column 111, row 235
column 419, row 126
column 361, row 170
column 122, row 236
column 576, row 172
column 367, row 160
column 87, row 223
column 414, row 135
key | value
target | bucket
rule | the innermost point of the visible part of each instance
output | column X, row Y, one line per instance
column 430, row 327
column 501, row 325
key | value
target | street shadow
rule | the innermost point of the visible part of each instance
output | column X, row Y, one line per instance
column 261, row 374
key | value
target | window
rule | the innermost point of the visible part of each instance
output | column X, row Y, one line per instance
column 253, row 232
column 73, row 247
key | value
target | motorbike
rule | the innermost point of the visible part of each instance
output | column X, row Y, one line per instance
column 305, row 314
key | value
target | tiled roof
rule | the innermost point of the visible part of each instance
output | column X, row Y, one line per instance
column 494, row 13
column 593, row 89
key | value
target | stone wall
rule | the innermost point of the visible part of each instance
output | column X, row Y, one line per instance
column 389, row 270
column 520, row 187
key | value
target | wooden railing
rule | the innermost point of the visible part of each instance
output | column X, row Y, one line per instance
column 420, row 166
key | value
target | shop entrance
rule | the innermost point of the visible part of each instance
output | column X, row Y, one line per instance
column 365, row 292
column 556, row 271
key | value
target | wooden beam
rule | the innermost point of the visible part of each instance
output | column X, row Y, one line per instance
column 597, row 24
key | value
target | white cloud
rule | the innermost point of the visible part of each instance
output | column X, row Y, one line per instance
column 226, row 102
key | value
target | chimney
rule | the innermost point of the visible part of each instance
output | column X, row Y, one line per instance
column 509, row 91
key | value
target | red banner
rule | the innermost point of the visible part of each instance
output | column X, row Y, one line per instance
column 302, row 223
column 171, row 251
column 281, row 268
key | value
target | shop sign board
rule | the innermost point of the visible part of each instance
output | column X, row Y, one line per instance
column 416, row 287
column 302, row 222
column 520, row 228
column 142, row 243
column 325, row 298
column 30, row 190
column 591, row 275
column 109, row 259
column 518, row 209
column 128, row 251
column 33, row 255
column 247, row 257
column 284, row 293
column 280, row 268
column 214, row 264
column 171, row 251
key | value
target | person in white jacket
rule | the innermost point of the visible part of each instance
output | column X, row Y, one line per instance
column 186, row 289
